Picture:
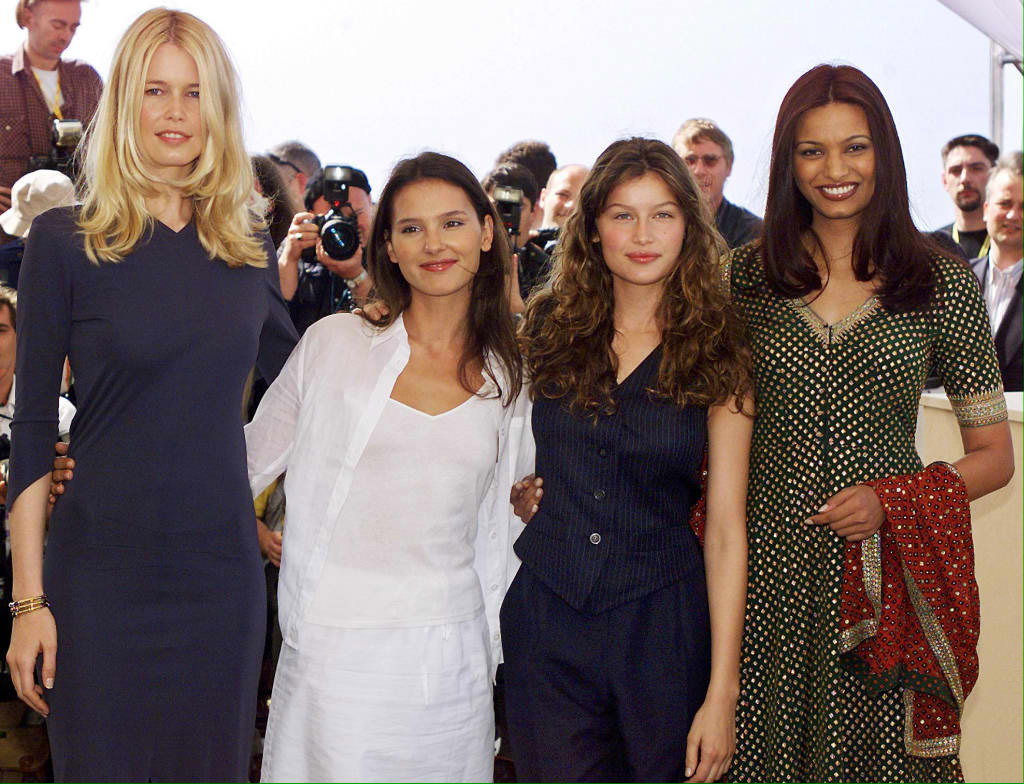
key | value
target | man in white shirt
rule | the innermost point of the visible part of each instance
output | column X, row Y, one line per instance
column 1000, row 270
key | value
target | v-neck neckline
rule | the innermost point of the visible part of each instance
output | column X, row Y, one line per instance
column 633, row 372
column 826, row 331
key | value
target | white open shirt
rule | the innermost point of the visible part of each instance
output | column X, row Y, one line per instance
column 315, row 421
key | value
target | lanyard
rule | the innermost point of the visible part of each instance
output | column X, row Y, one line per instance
column 55, row 109
column 984, row 246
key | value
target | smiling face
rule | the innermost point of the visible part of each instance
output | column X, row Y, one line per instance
column 171, row 125
column 834, row 161
column 1003, row 213
column 436, row 238
column 561, row 194
column 51, row 24
column 641, row 231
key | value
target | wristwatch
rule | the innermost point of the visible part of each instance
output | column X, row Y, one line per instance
column 352, row 283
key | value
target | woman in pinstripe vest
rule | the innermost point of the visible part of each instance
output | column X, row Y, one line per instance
column 617, row 665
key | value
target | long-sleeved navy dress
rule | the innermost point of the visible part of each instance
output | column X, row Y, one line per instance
column 152, row 564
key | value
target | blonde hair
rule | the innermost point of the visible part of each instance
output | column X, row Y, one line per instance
column 115, row 179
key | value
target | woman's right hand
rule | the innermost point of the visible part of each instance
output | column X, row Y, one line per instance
column 525, row 497
column 31, row 634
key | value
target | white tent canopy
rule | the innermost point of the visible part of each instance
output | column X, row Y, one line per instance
column 1000, row 20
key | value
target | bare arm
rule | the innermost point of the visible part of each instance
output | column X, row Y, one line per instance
column 713, row 734
column 856, row 513
column 987, row 463
column 35, row 632
column 301, row 235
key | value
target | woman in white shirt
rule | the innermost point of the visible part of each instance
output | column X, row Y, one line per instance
column 400, row 436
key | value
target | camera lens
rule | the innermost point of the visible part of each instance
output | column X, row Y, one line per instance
column 340, row 237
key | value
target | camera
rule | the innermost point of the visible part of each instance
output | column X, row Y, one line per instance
column 339, row 228
column 64, row 138
column 546, row 237
column 509, row 204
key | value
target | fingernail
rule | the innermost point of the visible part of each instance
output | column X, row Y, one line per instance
column 824, row 508
column 808, row 521
column 689, row 772
column 49, row 683
column 535, row 508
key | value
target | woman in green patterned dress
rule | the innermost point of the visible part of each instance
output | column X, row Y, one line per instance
column 847, row 307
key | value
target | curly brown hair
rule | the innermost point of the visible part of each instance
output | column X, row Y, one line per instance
column 568, row 328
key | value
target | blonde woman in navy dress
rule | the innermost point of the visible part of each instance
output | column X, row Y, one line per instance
column 160, row 290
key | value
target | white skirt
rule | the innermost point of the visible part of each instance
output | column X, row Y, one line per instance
column 409, row 704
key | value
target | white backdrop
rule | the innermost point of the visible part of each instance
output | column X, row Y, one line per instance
column 367, row 83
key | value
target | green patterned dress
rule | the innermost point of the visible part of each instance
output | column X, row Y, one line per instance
column 836, row 405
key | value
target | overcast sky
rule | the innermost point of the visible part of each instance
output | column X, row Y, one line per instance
column 368, row 83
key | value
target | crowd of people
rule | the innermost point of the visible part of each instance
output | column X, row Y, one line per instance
column 650, row 454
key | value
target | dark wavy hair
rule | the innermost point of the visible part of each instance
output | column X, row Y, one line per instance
column 569, row 327
column 888, row 246
column 490, row 333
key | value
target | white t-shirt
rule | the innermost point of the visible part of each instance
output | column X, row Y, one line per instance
column 48, row 84
column 402, row 551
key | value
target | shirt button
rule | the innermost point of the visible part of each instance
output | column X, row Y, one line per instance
column 496, row 637
column 599, row 494
column 494, row 586
column 494, row 534
column 595, row 538
column 602, row 452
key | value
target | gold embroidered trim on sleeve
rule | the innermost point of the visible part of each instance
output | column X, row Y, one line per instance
column 985, row 408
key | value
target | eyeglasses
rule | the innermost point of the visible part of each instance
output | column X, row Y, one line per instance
column 708, row 160
column 282, row 162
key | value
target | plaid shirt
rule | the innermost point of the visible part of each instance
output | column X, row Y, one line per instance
column 25, row 117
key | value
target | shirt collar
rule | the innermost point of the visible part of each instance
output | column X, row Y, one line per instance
column 19, row 62
column 1012, row 275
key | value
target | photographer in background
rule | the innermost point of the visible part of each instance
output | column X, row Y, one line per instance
column 514, row 191
column 537, row 157
column 297, row 164
column 558, row 200
column 39, row 89
column 321, row 259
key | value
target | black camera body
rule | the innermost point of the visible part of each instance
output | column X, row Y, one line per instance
column 64, row 138
column 509, row 204
column 339, row 228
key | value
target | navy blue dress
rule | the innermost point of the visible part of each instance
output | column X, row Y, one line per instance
column 152, row 564
column 605, row 628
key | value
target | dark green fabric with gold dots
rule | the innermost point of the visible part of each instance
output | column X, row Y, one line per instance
column 836, row 405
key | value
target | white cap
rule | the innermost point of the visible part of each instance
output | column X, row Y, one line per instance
column 34, row 194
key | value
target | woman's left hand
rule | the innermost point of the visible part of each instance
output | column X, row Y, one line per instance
column 712, row 740
column 854, row 513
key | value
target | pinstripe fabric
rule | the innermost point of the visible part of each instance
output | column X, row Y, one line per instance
column 617, row 494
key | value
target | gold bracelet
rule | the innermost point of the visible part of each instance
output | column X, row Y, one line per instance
column 28, row 605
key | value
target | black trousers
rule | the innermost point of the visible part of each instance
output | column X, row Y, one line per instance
column 606, row 697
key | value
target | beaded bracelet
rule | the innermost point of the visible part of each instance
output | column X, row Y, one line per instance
column 28, row 605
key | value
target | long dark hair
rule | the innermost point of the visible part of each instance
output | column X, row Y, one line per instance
column 273, row 188
column 888, row 246
column 569, row 327
column 490, row 334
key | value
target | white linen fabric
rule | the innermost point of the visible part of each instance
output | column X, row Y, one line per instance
column 409, row 704
column 402, row 552
column 315, row 422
